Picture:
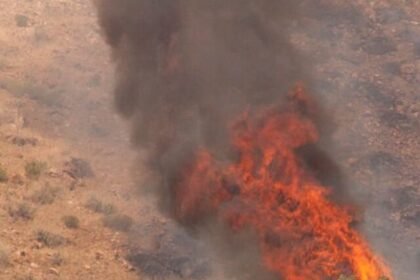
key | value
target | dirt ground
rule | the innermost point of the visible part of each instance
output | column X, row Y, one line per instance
column 56, row 109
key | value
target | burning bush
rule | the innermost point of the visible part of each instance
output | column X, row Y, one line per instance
column 268, row 189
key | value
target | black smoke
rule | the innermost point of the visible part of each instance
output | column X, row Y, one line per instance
column 186, row 68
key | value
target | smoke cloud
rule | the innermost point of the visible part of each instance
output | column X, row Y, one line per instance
column 185, row 69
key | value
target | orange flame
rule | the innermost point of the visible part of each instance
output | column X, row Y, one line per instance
column 302, row 233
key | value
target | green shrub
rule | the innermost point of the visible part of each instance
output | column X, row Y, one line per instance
column 71, row 222
column 118, row 222
column 99, row 207
column 35, row 168
column 50, row 239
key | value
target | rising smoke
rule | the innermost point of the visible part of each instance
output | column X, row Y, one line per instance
column 186, row 68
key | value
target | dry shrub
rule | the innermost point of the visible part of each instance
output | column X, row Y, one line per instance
column 45, row 195
column 34, row 169
column 22, row 211
column 98, row 206
column 21, row 20
column 49, row 239
column 71, row 222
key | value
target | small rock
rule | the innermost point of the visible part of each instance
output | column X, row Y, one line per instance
column 34, row 265
column 351, row 161
column 87, row 267
column 408, row 68
column 163, row 220
column 21, row 253
column 53, row 271
column 38, row 245
column 127, row 266
column 187, row 271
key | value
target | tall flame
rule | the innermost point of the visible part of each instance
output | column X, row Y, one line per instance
column 302, row 233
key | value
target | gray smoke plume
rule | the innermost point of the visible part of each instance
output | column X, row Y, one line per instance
column 185, row 68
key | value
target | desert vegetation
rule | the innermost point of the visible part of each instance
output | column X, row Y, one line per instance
column 49, row 239
column 45, row 195
column 99, row 206
column 71, row 222
column 22, row 211
column 34, row 169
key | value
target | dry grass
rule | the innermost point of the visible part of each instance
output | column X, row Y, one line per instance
column 98, row 206
column 45, row 195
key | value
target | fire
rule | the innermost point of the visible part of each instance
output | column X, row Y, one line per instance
column 302, row 233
